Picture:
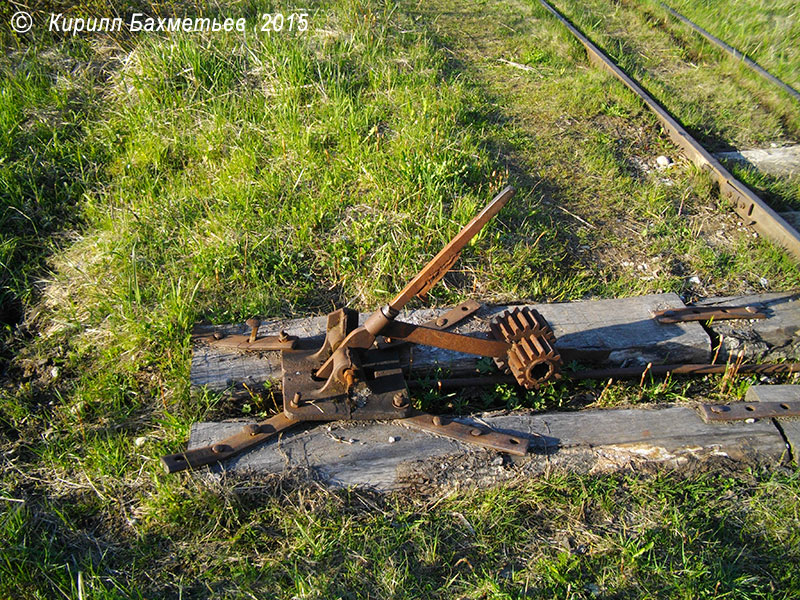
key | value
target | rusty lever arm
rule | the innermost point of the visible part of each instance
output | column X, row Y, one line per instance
column 364, row 336
column 441, row 263
column 418, row 334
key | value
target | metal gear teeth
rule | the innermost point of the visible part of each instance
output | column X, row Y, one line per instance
column 532, row 359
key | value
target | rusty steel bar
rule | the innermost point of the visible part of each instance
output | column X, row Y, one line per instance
column 707, row 313
column 685, row 369
column 471, row 434
column 735, row 53
column 616, row 373
column 417, row 334
column 251, row 435
column 441, row 263
column 752, row 209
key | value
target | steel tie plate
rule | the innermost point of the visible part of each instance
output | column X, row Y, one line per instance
column 739, row 411
column 471, row 434
column 250, row 435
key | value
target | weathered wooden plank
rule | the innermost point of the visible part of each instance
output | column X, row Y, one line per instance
column 774, row 338
column 780, row 393
column 617, row 332
column 362, row 454
column 784, row 161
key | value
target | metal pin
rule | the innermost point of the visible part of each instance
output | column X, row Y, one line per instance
column 254, row 323
column 295, row 401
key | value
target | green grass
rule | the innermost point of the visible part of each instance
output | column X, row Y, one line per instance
column 764, row 31
column 709, row 535
column 149, row 182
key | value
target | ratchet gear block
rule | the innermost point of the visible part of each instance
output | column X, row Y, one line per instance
column 532, row 358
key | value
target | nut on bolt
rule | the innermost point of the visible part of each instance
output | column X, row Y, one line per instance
column 252, row 429
column 295, row 401
column 254, row 324
column 399, row 400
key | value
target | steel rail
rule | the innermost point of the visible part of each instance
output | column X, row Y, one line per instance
column 735, row 53
column 752, row 209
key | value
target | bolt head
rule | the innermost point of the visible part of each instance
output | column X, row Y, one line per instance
column 475, row 432
column 399, row 400
column 252, row 429
column 220, row 448
column 441, row 321
column 218, row 335
column 437, row 420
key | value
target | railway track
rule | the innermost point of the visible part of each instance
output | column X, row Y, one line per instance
column 753, row 211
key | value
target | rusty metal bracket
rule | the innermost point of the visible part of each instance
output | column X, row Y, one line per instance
column 471, row 434
column 251, row 435
column 242, row 342
column 740, row 411
column 707, row 313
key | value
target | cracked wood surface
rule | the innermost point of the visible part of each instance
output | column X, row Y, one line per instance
column 775, row 338
column 361, row 453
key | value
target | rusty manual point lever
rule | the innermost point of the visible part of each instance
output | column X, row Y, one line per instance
column 357, row 376
column 364, row 336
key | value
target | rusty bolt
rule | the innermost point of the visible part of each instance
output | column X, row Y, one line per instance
column 283, row 336
column 295, row 401
column 441, row 321
column 253, row 323
column 252, row 429
column 349, row 377
column 219, row 448
column 475, row 432
column 437, row 420
column 218, row 335
column 399, row 400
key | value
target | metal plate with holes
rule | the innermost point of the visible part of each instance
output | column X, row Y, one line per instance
column 382, row 394
column 242, row 342
column 739, row 411
column 251, row 435
column 471, row 434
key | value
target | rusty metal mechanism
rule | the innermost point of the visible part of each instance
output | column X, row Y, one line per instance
column 740, row 411
column 708, row 313
column 358, row 371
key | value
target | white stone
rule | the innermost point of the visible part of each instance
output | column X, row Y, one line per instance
column 664, row 161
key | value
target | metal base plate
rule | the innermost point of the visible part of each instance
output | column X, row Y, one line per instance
column 374, row 398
